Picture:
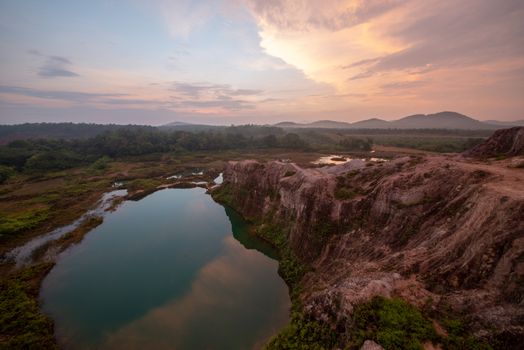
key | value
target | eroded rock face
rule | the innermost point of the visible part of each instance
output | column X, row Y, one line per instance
column 505, row 142
column 425, row 229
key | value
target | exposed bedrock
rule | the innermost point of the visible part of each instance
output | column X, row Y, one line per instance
column 434, row 231
column 504, row 142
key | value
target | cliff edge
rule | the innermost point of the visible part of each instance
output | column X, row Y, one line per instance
column 442, row 233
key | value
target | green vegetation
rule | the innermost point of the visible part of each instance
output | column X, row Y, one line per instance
column 44, row 155
column 392, row 323
column 290, row 267
column 22, row 324
column 441, row 144
column 13, row 224
column 52, row 147
column 303, row 334
column 5, row 173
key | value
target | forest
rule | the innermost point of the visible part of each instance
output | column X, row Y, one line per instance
column 40, row 148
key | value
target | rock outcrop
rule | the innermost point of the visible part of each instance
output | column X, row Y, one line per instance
column 437, row 231
column 504, row 142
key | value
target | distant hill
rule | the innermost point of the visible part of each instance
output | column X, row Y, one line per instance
column 442, row 120
column 373, row 123
column 330, row 124
column 505, row 123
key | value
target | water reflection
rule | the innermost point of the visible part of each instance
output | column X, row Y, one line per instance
column 166, row 272
column 225, row 288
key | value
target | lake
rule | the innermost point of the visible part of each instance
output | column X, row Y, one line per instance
column 174, row 270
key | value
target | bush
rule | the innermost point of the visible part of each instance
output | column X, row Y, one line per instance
column 392, row 323
column 101, row 163
column 303, row 334
column 22, row 324
column 5, row 173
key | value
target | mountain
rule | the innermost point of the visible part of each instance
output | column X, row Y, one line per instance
column 329, row 124
column 373, row 123
column 290, row 125
column 442, row 120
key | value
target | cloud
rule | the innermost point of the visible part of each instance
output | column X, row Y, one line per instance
column 475, row 32
column 193, row 97
column 307, row 15
column 71, row 96
column 364, row 62
column 233, row 105
column 53, row 66
column 206, row 95
column 361, row 75
column 186, row 16
column 402, row 85
column 200, row 89
column 388, row 35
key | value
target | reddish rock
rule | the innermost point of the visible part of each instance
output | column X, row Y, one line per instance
column 421, row 228
column 505, row 142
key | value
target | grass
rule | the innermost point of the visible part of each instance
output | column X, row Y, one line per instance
column 22, row 324
column 10, row 225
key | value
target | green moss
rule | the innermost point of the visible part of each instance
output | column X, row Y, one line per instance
column 10, row 225
column 392, row 323
column 289, row 173
column 22, row 324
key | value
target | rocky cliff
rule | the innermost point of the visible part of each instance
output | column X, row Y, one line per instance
column 504, row 142
column 440, row 232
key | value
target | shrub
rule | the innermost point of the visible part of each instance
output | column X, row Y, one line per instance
column 303, row 334
column 392, row 323
column 5, row 173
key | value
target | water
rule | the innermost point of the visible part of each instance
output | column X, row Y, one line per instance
column 22, row 255
column 332, row 159
column 174, row 270
column 337, row 159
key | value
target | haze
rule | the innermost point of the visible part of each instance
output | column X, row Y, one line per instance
column 261, row 61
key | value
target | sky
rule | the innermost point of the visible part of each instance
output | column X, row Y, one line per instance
column 258, row 61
